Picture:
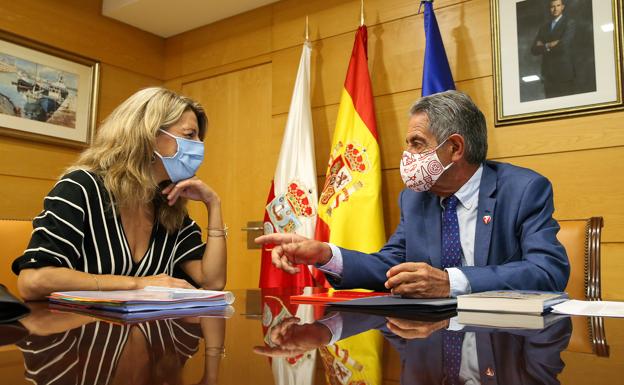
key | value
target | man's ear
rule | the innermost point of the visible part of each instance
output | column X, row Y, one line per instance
column 457, row 147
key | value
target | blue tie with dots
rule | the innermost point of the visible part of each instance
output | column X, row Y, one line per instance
column 452, row 355
column 451, row 257
column 451, row 245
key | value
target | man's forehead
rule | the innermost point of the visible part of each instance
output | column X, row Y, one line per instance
column 418, row 125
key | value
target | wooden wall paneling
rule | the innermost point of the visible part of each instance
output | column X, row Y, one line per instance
column 176, row 84
column 612, row 271
column 117, row 84
column 239, row 37
column 329, row 18
column 79, row 27
column 396, row 48
column 24, row 197
column 241, row 154
column 586, row 183
column 395, row 55
column 19, row 158
column 592, row 131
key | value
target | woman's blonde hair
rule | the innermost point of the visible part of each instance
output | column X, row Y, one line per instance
column 122, row 153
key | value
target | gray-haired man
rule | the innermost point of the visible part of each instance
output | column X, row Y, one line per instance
column 467, row 224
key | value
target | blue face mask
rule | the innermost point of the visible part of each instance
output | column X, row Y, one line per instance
column 186, row 161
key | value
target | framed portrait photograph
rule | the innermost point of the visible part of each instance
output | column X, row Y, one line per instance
column 555, row 58
column 46, row 94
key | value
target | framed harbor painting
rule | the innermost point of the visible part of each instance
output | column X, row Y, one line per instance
column 555, row 58
column 46, row 94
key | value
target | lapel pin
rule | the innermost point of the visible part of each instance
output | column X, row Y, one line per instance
column 487, row 219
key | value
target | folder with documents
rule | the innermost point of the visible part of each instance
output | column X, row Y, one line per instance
column 148, row 299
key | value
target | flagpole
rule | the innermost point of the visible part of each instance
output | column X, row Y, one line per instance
column 307, row 34
column 361, row 13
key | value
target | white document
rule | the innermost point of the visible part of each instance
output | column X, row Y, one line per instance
column 590, row 308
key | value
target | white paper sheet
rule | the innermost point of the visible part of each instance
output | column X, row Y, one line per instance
column 591, row 308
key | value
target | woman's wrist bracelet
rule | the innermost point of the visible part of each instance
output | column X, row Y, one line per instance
column 96, row 282
column 212, row 232
column 215, row 351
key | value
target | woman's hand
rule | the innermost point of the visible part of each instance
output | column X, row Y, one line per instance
column 163, row 280
column 193, row 189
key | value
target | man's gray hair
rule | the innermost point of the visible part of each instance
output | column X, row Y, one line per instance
column 453, row 112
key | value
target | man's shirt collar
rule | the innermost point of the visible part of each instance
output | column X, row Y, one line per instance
column 468, row 194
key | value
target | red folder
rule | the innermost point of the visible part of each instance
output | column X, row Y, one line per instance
column 334, row 296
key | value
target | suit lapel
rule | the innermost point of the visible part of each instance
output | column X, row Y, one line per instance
column 432, row 221
column 485, row 216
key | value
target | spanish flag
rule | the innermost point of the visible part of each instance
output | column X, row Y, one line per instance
column 350, row 210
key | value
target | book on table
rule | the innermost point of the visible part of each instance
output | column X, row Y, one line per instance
column 151, row 298
column 511, row 301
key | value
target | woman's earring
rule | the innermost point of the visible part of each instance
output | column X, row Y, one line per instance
column 153, row 158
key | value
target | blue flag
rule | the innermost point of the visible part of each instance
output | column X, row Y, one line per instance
column 437, row 76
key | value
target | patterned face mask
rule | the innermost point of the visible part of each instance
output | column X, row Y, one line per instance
column 186, row 161
column 421, row 171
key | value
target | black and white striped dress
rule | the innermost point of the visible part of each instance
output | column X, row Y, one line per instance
column 90, row 353
column 80, row 230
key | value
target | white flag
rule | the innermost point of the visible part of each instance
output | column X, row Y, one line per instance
column 295, row 203
column 291, row 208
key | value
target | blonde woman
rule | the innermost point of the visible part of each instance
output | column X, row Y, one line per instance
column 117, row 219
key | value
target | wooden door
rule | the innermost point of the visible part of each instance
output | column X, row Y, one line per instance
column 240, row 157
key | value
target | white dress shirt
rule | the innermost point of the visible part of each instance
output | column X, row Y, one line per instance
column 468, row 196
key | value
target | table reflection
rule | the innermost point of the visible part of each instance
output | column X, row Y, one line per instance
column 307, row 345
column 64, row 348
column 431, row 352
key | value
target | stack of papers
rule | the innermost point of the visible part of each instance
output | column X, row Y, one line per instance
column 591, row 308
column 151, row 298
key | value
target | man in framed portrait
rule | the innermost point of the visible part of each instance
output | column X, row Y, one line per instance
column 555, row 43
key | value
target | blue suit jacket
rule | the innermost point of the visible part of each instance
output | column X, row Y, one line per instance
column 517, row 249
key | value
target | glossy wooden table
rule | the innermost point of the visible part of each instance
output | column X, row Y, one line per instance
column 68, row 348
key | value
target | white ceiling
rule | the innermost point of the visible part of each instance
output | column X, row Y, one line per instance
column 170, row 17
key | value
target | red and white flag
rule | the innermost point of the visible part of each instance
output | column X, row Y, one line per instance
column 292, row 201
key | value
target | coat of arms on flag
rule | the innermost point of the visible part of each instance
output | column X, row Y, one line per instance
column 341, row 182
column 284, row 210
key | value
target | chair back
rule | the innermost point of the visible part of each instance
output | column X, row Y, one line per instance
column 14, row 238
column 581, row 239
